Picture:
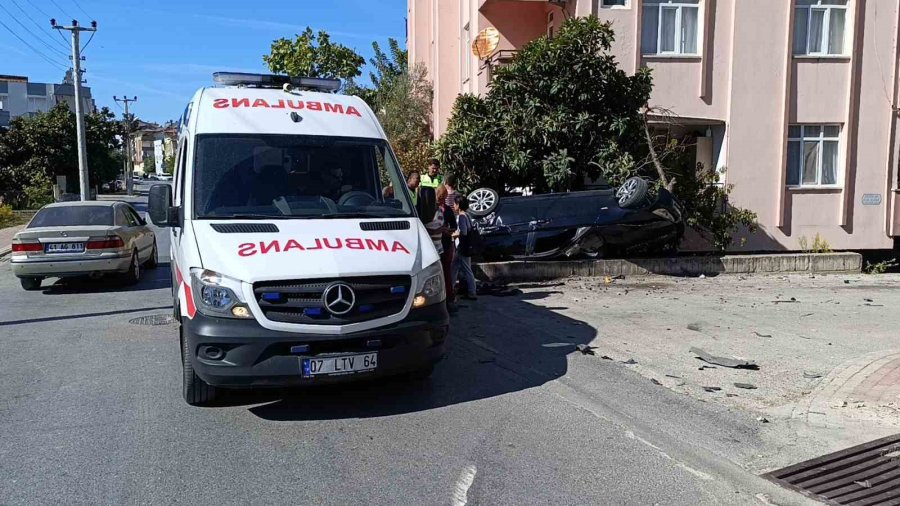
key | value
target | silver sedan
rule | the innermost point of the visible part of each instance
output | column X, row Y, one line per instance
column 83, row 239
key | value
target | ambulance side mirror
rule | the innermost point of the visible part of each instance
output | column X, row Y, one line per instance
column 162, row 213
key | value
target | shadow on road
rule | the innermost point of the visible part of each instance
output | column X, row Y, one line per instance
column 151, row 279
column 82, row 315
column 530, row 349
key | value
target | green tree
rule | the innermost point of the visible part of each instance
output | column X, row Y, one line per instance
column 34, row 150
column 149, row 164
column 560, row 113
column 169, row 164
column 314, row 55
column 401, row 98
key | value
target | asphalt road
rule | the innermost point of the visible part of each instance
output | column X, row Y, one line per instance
column 91, row 413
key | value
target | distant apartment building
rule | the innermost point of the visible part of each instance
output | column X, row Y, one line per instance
column 152, row 144
column 19, row 97
column 797, row 99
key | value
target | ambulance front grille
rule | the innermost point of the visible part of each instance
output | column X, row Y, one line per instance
column 301, row 301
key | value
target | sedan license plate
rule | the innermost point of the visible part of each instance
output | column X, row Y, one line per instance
column 338, row 365
column 64, row 247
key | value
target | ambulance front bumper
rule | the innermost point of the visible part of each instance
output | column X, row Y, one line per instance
column 241, row 353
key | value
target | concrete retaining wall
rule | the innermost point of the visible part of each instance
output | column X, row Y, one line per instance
column 510, row 272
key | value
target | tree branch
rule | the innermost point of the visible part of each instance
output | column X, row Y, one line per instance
column 653, row 155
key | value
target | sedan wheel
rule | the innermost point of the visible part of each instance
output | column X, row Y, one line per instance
column 153, row 262
column 133, row 276
column 30, row 284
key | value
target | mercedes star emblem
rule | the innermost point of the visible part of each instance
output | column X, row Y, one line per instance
column 339, row 299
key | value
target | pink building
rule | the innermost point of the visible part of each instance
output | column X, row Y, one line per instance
column 798, row 99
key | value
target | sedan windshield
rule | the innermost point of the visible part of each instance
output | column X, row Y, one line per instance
column 288, row 176
column 70, row 216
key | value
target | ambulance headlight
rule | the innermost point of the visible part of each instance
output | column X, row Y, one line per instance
column 217, row 295
column 429, row 286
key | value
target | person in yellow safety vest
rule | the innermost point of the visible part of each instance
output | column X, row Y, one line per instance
column 412, row 182
column 432, row 179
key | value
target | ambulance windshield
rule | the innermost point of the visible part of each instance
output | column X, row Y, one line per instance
column 289, row 176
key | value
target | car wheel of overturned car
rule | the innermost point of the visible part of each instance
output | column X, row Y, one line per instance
column 196, row 391
column 483, row 201
column 633, row 193
column 31, row 283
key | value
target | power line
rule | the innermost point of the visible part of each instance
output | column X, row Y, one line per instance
column 39, row 9
column 29, row 31
column 42, row 55
column 82, row 10
column 60, row 8
column 36, row 24
column 86, row 44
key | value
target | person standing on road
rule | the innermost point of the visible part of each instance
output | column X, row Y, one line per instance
column 450, row 183
column 463, row 260
column 412, row 182
column 432, row 178
column 447, row 249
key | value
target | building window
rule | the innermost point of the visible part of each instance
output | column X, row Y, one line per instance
column 819, row 27
column 670, row 27
column 813, row 155
column 3, row 100
column 37, row 104
column 550, row 25
column 621, row 4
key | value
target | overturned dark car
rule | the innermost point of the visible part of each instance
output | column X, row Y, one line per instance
column 586, row 224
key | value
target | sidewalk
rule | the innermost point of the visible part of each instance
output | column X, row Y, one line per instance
column 6, row 236
column 826, row 346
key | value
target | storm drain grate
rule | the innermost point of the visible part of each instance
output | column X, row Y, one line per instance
column 157, row 319
column 867, row 474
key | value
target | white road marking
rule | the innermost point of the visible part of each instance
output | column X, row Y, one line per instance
column 461, row 491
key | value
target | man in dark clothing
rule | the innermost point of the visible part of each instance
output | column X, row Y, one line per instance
column 462, row 263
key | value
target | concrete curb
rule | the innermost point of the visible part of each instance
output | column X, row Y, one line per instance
column 511, row 272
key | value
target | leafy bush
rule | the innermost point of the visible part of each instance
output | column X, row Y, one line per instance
column 7, row 217
column 39, row 192
column 880, row 267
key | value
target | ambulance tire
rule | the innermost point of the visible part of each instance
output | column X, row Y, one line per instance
column 196, row 391
column 421, row 374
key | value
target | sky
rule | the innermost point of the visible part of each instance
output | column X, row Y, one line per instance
column 162, row 51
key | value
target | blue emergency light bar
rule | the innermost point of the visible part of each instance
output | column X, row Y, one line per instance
column 275, row 81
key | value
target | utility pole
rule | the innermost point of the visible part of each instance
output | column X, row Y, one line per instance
column 79, row 112
column 129, row 159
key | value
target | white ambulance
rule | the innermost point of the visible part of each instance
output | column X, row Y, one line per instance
column 297, row 254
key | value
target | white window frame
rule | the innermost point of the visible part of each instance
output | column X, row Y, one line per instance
column 466, row 65
column 679, row 28
column 820, row 150
column 826, row 25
